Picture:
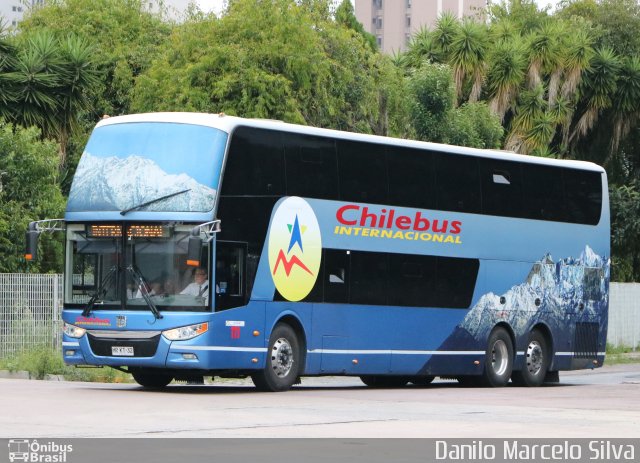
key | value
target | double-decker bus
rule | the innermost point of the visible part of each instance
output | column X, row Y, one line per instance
column 208, row 245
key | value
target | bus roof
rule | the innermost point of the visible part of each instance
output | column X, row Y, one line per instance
column 229, row 123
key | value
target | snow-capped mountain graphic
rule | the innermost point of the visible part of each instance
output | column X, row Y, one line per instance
column 113, row 183
column 551, row 291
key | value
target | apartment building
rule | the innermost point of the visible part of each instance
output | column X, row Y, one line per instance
column 393, row 22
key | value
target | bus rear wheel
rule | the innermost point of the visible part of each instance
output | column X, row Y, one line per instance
column 498, row 359
column 385, row 381
column 537, row 360
column 151, row 379
column 283, row 361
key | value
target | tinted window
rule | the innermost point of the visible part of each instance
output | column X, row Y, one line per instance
column 255, row 163
column 501, row 188
column 583, row 196
column 363, row 172
column 543, row 193
column 368, row 278
column 311, row 167
column 410, row 178
column 407, row 280
column 457, row 183
column 411, row 280
column 335, row 276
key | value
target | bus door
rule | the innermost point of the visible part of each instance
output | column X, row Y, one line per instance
column 230, row 274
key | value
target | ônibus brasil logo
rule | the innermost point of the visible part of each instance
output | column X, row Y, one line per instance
column 295, row 248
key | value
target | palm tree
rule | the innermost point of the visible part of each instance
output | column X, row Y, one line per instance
column 444, row 34
column 597, row 89
column 505, row 75
column 530, row 110
column 626, row 101
column 467, row 57
column 544, row 52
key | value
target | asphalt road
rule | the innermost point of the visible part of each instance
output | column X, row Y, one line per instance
column 602, row 403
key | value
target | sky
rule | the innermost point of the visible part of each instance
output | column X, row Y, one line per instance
column 216, row 5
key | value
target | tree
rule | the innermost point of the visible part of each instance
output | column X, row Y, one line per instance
column 125, row 36
column 435, row 117
column 274, row 59
column 50, row 84
column 28, row 191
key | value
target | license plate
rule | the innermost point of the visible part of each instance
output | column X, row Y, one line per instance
column 122, row 351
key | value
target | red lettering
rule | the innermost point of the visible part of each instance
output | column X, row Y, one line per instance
column 455, row 227
column 392, row 213
column 364, row 216
column 342, row 210
column 442, row 229
column 403, row 222
column 420, row 223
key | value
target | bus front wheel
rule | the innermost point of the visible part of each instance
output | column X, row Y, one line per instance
column 498, row 359
column 151, row 379
column 283, row 361
column 537, row 358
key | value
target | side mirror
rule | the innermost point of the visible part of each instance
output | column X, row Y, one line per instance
column 32, row 235
column 194, row 250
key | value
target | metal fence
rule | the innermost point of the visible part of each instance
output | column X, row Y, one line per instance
column 624, row 315
column 30, row 307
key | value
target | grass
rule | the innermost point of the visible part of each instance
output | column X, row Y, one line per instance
column 622, row 354
column 43, row 361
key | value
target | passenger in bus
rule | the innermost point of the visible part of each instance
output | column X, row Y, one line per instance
column 200, row 285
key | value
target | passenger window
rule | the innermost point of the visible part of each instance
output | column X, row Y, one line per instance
column 311, row 167
column 362, row 172
column 457, row 183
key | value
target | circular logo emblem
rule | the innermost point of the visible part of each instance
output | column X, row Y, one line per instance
column 295, row 248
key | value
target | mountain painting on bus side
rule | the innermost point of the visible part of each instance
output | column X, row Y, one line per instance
column 567, row 291
column 173, row 167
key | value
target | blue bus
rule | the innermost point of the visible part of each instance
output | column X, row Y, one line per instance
column 208, row 245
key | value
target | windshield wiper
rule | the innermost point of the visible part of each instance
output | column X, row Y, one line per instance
column 142, row 287
column 156, row 200
column 101, row 291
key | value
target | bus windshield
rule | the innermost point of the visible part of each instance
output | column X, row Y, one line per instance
column 149, row 166
column 109, row 269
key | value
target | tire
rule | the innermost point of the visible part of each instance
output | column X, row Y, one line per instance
column 537, row 361
column 283, row 361
column 498, row 363
column 151, row 379
column 421, row 380
column 385, row 381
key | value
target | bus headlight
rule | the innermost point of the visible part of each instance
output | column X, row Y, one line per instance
column 186, row 332
column 73, row 331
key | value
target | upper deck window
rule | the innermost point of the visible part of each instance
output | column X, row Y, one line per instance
column 131, row 164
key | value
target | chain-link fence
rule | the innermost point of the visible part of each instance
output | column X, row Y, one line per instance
column 30, row 307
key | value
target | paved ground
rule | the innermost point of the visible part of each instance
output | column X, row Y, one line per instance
column 598, row 404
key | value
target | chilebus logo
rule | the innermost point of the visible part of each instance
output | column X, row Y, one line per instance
column 295, row 248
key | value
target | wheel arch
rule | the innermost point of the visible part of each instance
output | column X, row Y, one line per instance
column 294, row 322
column 544, row 329
column 511, row 333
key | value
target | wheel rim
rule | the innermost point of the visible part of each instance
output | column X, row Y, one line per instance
column 499, row 357
column 281, row 357
column 535, row 357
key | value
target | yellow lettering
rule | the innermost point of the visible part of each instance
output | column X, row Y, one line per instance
column 425, row 236
column 398, row 235
column 438, row 238
column 458, row 240
column 448, row 239
column 387, row 234
column 409, row 235
column 374, row 233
